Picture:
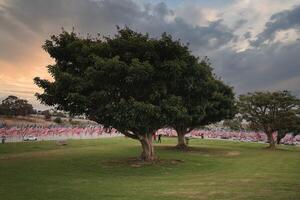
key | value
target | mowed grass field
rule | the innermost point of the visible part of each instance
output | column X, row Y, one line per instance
column 106, row 169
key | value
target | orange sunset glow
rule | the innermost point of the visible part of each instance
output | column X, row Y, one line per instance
column 250, row 45
column 17, row 77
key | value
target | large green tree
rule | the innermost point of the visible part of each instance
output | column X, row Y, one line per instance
column 117, row 81
column 134, row 83
column 271, row 112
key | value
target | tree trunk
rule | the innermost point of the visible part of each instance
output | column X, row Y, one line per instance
column 280, row 135
column 278, row 140
column 271, row 141
column 147, row 146
column 181, row 140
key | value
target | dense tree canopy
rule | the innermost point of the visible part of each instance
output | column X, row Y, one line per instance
column 271, row 112
column 196, row 98
column 133, row 83
column 13, row 106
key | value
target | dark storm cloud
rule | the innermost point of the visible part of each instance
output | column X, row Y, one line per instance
column 160, row 10
column 49, row 16
column 247, row 35
column 13, row 37
column 25, row 24
column 288, row 19
column 269, row 67
column 42, row 18
column 240, row 23
column 200, row 38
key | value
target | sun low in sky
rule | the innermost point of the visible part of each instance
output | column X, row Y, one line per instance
column 252, row 44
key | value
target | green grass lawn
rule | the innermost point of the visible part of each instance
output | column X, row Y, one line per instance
column 106, row 169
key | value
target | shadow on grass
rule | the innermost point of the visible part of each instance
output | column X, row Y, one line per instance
column 277, row 149
column 134, row 162
column 207, row 151
column 192, row 149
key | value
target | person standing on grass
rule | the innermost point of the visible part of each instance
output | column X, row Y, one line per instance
column 159, row 138
column 3, row 139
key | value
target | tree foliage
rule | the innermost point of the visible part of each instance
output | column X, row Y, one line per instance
column 271, row 112
column 58, row 120
column 133, row 83
column 13, row 106
column 196, row 97
column 47, row 114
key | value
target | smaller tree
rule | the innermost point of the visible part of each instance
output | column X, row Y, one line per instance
column 270, row 112
column 58, row 120
column 13, row 106
column 46, row 114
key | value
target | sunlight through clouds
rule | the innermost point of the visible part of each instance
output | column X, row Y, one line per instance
column 225, row 31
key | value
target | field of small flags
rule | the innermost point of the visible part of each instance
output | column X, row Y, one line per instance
column 16, row 134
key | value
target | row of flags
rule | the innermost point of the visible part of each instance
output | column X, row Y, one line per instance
column 99, row 130
column 247, row 136
column 60, row 131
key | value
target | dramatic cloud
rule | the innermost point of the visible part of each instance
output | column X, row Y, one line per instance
column 221, row 31
column 271, row 67
column 282, row 21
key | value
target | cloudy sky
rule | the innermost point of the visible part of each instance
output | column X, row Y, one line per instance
column 253, row 44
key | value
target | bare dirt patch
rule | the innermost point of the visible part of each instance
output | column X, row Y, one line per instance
column 232, row 153
column 204, row 151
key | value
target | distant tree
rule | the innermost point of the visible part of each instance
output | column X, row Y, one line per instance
column 8, row 106
column 60, row 114
column 57, row 120
column 270, row 112
column 13, row 106
column 34, row 111
column 47, row 114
